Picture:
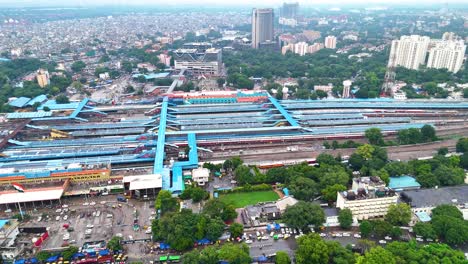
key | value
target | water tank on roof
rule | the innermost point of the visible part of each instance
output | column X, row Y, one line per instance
column 361, row 192
column 351, row 195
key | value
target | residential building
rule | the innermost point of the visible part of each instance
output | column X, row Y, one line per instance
column 449, row 36
column 447, row 55
column 330, row 42
column 166, row 59
column 315, row 47
column 301, row 48
column 262, row 26
column 197, row 62
column 367, row 199
column 201, row 176
column 326, row 88
column 43, row 78
column 8, row 233
column 409, row 52
column 290, row 10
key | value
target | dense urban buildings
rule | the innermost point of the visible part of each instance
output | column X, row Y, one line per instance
column 447, row 55
column 262, row 26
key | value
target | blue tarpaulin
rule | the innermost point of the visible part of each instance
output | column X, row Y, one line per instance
column 277, row 226
column 203, row 241
column 268, row 227
column 78, row 255
column 33, row 260
column 20, row 261
column 104, row 252
column 164, row 246
column 92, row 254
column 262, row 258
column 53, row 258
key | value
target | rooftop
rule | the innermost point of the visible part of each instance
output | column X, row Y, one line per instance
column 434, row 197
column 423, row 216
column 3, row 222
column 403, row 182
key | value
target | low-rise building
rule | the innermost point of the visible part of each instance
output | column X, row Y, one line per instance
column 201, row 176
column 369, row 198
column 8, row 233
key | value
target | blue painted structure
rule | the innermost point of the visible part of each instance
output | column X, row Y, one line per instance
column 403, row 182
column 285, row 113
column 20, row 102
column 159, row 157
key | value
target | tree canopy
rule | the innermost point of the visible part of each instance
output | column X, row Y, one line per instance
column 304, row 214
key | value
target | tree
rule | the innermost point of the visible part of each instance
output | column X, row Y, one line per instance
column 377, row 255
column 303, row 188
column 447, row 210
column 303, row 214
column 375, row 137
column 220, row 82
column 425, row 230
column 428, row 133
column 127, row 66
column 465, row 93
column 356, row 161
column 328, row 159
column 69, row 252
column 236, row 230
column 449, row 176
column 365, row 228
column 62, row 99
column 345, row 217
column 114, row 243
column 43, row 255
column 243, row 175
column 365, row 151
column 462, row 145
column 311, row 249
column 215, row 207
column 78, row 66
column 330, row 193
column 381, row 228
column 165, row 202
column 399, row 214
column 282, row 257
column 214, row 229
column 464, row 160
column 321, row 94
column 234, row 254
column 442, row 151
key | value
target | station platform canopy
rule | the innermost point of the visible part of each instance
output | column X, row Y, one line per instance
column 31, row 195
column 141, row 182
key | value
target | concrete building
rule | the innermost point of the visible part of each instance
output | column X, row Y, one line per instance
column 290, row 10
column 43, row 78
column 262, row 26
column 201, row 176
column 449, row 36
column 447, row 55
column 346, row 88
column 301, row 48
column 330, row 42
column 368, row 198
column 8, row 233
column 198, row 62
column 326, row 88
column 315, row 47
column 409, row 52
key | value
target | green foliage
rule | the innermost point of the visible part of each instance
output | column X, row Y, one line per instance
column 465, row 93
column 43, row 255
column 311, row 249
column 330, row 193
column 114, row 243
column 345, row 217
column 375, row 137
column 365, row 151
column 127, row 66
column 336, row 145
column 399, row 214
column 447, row 210
column 303, row 214
column 216, row 208
column 195, row 193
column 425, row 230
column 236, row 230
column 239, row 80
column 282, row 257
column 62, row 99
column 232, row 253
column 462, row 145
column 377, row 255
column 365, row 228
column 412, row 252
column 304, row 188
column 69, row 252
column 243, row 175
column 78, row 66
column 414, row 135
column 165, row 202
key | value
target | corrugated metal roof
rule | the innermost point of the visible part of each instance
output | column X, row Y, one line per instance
column 403, row 182
column 38, row 99
column 24, row 115
column 20, row 102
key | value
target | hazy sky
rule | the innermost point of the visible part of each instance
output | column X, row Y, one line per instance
column 272, row 3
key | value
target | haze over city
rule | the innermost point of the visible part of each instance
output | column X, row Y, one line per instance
column 209, row 132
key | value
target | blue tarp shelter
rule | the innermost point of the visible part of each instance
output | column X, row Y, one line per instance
column 104, row 252
column 20, row 261
column 203, row 241
column 78, row 255
column 53, row 258
column 164, row 246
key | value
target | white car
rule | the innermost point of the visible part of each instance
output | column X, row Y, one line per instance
column 103, row 202
column 65, row 217
column 8, row 211
column 388, row 238
column 148, row 231
column 92, row 203
column 338, row 235
column 419, row 239
column 323, row 234
column 58, row 210
column 89, row 226
column 248, row 241
column 346, row 234
column 357, row 235
column 382, row 242
column 57, row 218
column 429, row 240
column 85, row 204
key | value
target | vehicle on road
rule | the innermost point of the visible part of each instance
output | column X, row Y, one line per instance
column 382, row 242
column 357, row 235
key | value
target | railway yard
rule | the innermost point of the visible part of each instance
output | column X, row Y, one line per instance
column 83, row 149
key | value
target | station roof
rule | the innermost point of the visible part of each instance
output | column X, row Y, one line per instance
column 53, row 105
column 31, row 196
column 27, row 115
column 152, row 75
column 403, row 182
column 38, row 99
column 20, row 102
column 141, row 182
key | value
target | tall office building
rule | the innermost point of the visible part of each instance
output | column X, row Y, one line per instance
column 330, row 42
column 43, row 78
column 290, row 10
column 262, row 26
column 447, row 55
column 409, row 52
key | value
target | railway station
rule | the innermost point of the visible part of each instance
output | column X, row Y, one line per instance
column 143, row 148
